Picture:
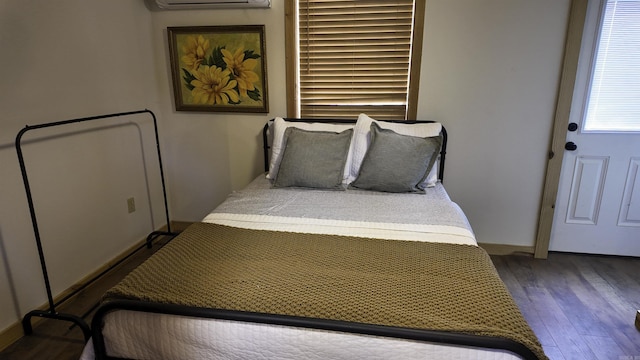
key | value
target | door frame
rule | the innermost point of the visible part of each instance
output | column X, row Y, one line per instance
column 573, row 43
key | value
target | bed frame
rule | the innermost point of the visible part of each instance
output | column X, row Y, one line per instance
column 314, row 323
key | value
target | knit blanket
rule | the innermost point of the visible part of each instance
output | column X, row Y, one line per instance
column 409, row 284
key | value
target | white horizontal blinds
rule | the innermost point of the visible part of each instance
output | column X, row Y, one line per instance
column 614, row 99
column 354, row 57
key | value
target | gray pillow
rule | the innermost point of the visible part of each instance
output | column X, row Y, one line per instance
column 396, row 163
column 313, row 159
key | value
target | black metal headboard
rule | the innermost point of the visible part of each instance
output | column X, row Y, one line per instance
column 266, row 145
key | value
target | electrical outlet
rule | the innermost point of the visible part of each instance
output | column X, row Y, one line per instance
column 131, row 205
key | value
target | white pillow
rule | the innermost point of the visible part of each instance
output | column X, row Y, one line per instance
column 362, row 139
column 280, row 125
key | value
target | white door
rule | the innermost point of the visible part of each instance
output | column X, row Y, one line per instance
column 598, row 203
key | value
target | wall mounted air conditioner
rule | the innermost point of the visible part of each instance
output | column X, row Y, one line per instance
column 211, row 4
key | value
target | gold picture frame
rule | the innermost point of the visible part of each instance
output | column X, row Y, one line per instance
column 219, row 68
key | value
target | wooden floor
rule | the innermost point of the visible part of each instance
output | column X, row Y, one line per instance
column 580, row 306
column 59, row 340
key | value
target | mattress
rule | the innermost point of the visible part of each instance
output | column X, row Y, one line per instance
column 417, row 217
column 431, row 216
column 176, row 337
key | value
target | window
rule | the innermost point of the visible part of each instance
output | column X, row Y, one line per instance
column 612, row 102
column 347, row 57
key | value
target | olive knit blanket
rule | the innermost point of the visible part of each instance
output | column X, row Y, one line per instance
column 408, row 284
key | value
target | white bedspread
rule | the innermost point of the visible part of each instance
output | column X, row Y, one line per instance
column 417, row 217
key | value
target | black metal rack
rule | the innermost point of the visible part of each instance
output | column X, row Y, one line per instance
column 51, row 313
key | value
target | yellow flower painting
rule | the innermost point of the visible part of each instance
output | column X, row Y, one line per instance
column 213, row 86
column 219, row 68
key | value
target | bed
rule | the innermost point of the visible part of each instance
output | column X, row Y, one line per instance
column 348, row 248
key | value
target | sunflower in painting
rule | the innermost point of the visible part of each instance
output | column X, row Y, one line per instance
column 242, row 69
column 218, row 76
column 212, row 86
column 194, row 50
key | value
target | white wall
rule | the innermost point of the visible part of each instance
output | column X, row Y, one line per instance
column 214, row 153
column 62, row 60
column 490, row 73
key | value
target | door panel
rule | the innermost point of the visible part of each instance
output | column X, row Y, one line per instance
column 586, row 190
column 630, row 207
column 598, row 204
column 597, row 208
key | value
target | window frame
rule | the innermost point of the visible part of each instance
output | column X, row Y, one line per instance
column 292, row 67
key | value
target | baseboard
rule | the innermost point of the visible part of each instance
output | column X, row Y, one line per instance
column 14, row 332
column 10, row 335
column 502, row 249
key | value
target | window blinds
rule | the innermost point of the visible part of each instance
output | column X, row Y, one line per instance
column 354, row 57
column 613, row 103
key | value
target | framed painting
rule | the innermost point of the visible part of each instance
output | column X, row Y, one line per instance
column 219, row 68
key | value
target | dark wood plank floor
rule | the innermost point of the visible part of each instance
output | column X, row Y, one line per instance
column 59, row 340
column 580, row 306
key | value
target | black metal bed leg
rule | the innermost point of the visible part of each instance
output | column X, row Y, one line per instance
column 150, row 238
column 155, row 234
column 28, row 328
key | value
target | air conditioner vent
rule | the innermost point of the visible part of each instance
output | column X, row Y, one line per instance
column 211, row 4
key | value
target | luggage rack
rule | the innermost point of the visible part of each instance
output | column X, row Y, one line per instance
column 51, row 312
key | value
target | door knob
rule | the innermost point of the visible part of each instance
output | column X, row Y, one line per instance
column 571, row 146
column 573, row 126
